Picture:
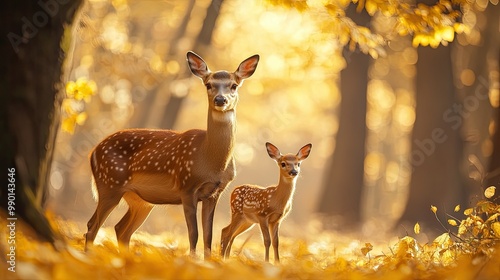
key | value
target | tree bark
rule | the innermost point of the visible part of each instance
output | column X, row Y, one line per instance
column 491, row 47
column 343, row 179
column 32, row 33
column 436, row 142
column 151, row 105
column 204, row 38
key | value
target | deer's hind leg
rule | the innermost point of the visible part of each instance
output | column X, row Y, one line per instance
column 107, row 201
column 138, row 211
column 237, row 226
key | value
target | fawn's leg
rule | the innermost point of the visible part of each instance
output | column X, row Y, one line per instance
column 265, row 235
column 274, row 227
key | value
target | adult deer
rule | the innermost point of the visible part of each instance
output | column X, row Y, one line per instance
column 268, row 207
column 151, row 166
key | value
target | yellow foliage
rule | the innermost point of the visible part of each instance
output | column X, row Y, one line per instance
column 77, row 93
column 481, row 227
column 429, row 25
column 82, row 89
column 160, row 257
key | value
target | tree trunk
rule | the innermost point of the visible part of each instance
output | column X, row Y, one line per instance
column 343, row 181
column 436, row 146
column 491, row 47
column 30, row 101
column 171, row 111
column 153, row 103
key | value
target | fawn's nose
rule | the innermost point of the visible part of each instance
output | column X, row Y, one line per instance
column 220, row 100
column 294, row 172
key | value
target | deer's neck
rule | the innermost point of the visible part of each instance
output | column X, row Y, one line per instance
column 219, row 142
column 285, row 189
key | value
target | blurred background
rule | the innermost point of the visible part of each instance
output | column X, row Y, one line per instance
column 397, row 123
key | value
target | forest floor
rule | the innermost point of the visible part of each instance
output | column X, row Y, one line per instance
column 322, row 255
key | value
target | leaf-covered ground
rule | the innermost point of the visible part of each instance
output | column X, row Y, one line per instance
column 322, row 256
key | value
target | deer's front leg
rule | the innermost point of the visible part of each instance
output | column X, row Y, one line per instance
column 208, row 211
column 274, row 227
column 190, row 204
column 264, row 227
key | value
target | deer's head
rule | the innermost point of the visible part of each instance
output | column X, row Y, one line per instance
column 222, row 86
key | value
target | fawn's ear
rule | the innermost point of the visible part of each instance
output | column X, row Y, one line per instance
column 197, row 66
column 247, row 67
column 273, row 151
column 304, row 152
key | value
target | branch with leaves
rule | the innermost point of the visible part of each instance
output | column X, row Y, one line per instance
column 429, row 25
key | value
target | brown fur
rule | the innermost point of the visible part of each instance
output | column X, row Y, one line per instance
column 251, row 204
column 152, row 166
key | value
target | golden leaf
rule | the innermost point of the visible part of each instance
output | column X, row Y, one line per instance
column 82, row 89
column 447, row 257
column 476, row 231
column 443, row 240
column 68, row 125
column 368, row 247
column 496, row 229
column 371, row 7
column 452, row 222
column 70, row 89
column 416, row 228
column 457, row 208
column 462, row 229
column 468, row 211
column 434, row 209
column 81, row 118
column 492, row 218
column 448, row 33
column 489, row 192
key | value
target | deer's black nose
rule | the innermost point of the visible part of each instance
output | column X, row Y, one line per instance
column 220, row 100
column 294, row 172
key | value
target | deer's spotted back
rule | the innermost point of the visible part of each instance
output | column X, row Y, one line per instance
column 122, row 154
column 253, row 199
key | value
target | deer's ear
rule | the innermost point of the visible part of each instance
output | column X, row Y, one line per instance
column 247, row 67
column 197, row 65
column 304, row 152
column 273, row 151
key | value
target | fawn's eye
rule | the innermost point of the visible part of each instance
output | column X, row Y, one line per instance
column 298, row 164
column 283, row 164
column 209, row 86
column 234, row 87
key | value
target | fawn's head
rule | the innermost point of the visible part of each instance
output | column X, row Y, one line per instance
column 289, row 164
column 222, row 86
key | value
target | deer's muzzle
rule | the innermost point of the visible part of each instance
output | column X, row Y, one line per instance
column 220, row 101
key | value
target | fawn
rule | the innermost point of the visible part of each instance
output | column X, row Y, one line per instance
column 152, row 166
column 252, row 204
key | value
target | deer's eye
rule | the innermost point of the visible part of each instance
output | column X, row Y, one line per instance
column 283, row 164
column 234, row 87
column 298, row 164
column 209, row 86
